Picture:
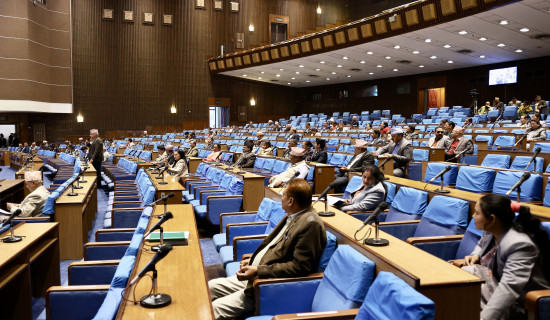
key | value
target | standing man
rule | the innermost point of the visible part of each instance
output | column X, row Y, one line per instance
column 95, row 154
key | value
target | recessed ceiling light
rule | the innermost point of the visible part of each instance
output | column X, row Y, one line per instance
column 328, row 78
column 519, row 50
column 396, row 47
column 345, row 58
column 421, row 66
column 371, row 73
column 482, row 57
column 362, row 61
column 463, row 32
column 288, row 83
column 482, row 39
column 301, row 66
column 262, row 72
column 321, row 61
column 433, row 57
column 339, row 66
column 388, row 57
column 369, row 52
column 503, row 22
column 428, row 40
column 447, row 46
column 333, row 72
column 308, row 81
column 501, row 45
column 349, row 76
column 416, row 52
column 317, row 69
column 293, row 78
column 281, row 69
column 379, row 66
column 244, row 75
column 524, row 29
column 450, row 61
column 259, row 78
column 395, row 70
column 297, row 72
column 277, row 75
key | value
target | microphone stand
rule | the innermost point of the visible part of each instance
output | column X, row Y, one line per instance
column 162, row 177
column 518, row 192
column 327, row 212
column 78, row 186
column 376, row 241
column 72, row 193
column 12, row 238
column 155, row 300
column 441, row 190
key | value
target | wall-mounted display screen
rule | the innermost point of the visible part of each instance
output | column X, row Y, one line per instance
column 503, row 76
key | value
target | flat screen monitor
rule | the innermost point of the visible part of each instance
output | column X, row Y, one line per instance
column 503, row 76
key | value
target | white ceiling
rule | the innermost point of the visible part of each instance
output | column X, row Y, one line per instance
column 531, row 14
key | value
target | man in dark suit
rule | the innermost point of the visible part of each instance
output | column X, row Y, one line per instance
column 399, row 149
column 360, row 160
column 292, row 249
column 457, row 144
column 170, row 154
column 95, row 154
column 293, row 135
column 247, row 158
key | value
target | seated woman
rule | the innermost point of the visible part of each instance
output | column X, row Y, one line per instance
column 215, row 155
column 370, row 194
column 511, row 256
column 308, row 147
column 536, row 132
column 320, row 154
column 179, row 168
column 266, row 150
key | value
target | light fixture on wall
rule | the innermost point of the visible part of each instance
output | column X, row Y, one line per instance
column 319, row 11
column 173, row 109
column 79, row 118
column 251, row 28
column 252, row 102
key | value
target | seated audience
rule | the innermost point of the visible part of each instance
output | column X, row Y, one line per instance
column 411, row 134
column 292, row 135
column 193, row 151
column 34, row 202
column 342, row 128
column 26, row 148
column 291, row 144
column 376, row 139
column 498, row 105
column 325, row 126
column 468, row 123
column 439, row 140
column 215, row 155
column 307, row 129
column 384, row 128
column 179, row 168
column 524, row 122
column 399, row 149
column 209, row 144
column 535, row 132
column 362, row 157
column 130, row 144
column 457, row 144
column 319, row 154
column 368, row 128
column 537, row 116
column 308, row 147
column 525, row 109
column 315, row 132
column 485, row 108
column 512, row 257
column 298, row 164
column 247, row 158
column 369, row 194
column 266, row 150
column 297, row 256
column 514, row 102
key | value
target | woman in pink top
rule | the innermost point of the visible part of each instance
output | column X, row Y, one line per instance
column 215, row 155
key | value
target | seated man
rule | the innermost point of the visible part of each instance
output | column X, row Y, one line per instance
column 362, row 157
column 33, row 204
column 106, row 155
column 292, row 249
column 440, row 140
column 376, row 139
column 457, row 144
column 411, row 134
column 247, row 158
column 291, row 144
column 399, row 149
column 193, row 151
column 298, row 164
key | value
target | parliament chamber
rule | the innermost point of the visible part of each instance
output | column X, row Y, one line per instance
column 274, row 159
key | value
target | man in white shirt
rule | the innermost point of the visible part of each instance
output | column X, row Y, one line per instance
column 33, row 203
column 298, row 164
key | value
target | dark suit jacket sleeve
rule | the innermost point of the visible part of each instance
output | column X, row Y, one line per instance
column 407, row 154
column 322, row 157
column 367, row 159
column 249, row 162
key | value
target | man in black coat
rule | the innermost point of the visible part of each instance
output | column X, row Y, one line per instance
column 95, row 154
column 360, row 160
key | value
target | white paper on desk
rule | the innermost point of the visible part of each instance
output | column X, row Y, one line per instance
column 334, row 201
column 5, row 212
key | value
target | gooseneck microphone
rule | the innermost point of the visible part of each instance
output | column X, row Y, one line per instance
column 324, row 193
column 537, row 151
column 381, row 207
column 445, row 170
column 384, row 162
column 166, row 197
column 518, row 184
column 12, row 238
column 165, row 217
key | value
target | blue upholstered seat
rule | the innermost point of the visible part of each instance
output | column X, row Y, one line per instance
column 475, row 179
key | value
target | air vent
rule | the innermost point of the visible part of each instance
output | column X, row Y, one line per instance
column 465, row 51
column 313, row 76
column 274, row 80
column 404, row 61
column 355, row 69
column 542, row 36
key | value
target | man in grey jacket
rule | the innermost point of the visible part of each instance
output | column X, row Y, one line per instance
column 457, row 144
column 399, row 149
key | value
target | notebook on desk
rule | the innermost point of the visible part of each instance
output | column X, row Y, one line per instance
column 175, row 238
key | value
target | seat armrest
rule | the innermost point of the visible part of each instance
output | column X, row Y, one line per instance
column 393, row 223
column 532, row 300
column 128, row 209
column 243, row 227
column 230, row 215
column 415, row 240
column 326, row 315
column 244, row 243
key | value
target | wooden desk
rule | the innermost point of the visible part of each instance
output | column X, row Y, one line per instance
column 34, row 167
column 11, row 191
column 75, row 216
column 28, row 268
column 193, row 164
column 180, row 274
column 164, row 189
column 252, row 184
column 322, row 176
column 456, row 293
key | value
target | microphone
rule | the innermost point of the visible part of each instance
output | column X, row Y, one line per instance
column 518, row 184
column 13, row 216
column 162, row 172
column 458, row 154
column 324, row 194
column 381, row 207
column 166, row 197
column 520, row 140
column 167, row 216
column 384, row 162
column 537, row 151
column 163, row 252
column 445, row 170
column 296, row 174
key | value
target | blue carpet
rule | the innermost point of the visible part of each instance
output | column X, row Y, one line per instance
column 209, row 254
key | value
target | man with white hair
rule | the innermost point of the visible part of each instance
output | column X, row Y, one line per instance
column 170, row 154
column 95, row 154
column 298, row 165
column 457, row 144
column 33, row 204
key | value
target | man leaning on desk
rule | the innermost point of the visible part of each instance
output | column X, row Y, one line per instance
column 95, row 155
column 33, row 203
column 292, row 249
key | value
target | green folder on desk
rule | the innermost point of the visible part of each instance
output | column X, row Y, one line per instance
column 176, row 238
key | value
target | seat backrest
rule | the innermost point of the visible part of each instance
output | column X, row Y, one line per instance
column 277, row 214
column 264, row 210
column 235, row 187
column 259, row 163
column 489, row 139
column 390, row 297
column 531, row 189
column 390, row 191
column 268, row 164
column 443, row 216
column 328, row 251
column 226, row 182
column 408, row 204
column 337, row 159
column 346, row 281
column 505, row 141
column 469, row 242
column 544, row 147
column 496, row 161
column 280, row 166
column 421, row 154
column 475, row 179
column 354, row 183
column 520, row 162
column 449, row 178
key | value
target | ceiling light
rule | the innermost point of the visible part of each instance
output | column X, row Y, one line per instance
column 301, row 66
column 345, row 58
column 293, row 78
column 428, row 40
column 308, row 81
column 524, row 29
column 501, row 45
column 463, row 32
column 519, row 50
column 388, row 57
column 447, row 46
column 395, row 70
column 349, row 76
column 262, row 72
column 369, row 52
column 482, row 39
column 333, row 72
column 339, row 66
column 416, row 52
column 259, row 78
column 80, row 118
column 277, row 75
column 396, row 47
column 503, row 22
column 433, row 57
column 319, row 11
column 321, row 61
column 251, row 28
column 297, row 72
column 421, row 66
column 450, row 61
column 317, row 69
column 379, row 66
column 252, row 102
column 362, row 61
column 371, row 73
column 482, row 57
column 328, row 78
column 288, row 83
